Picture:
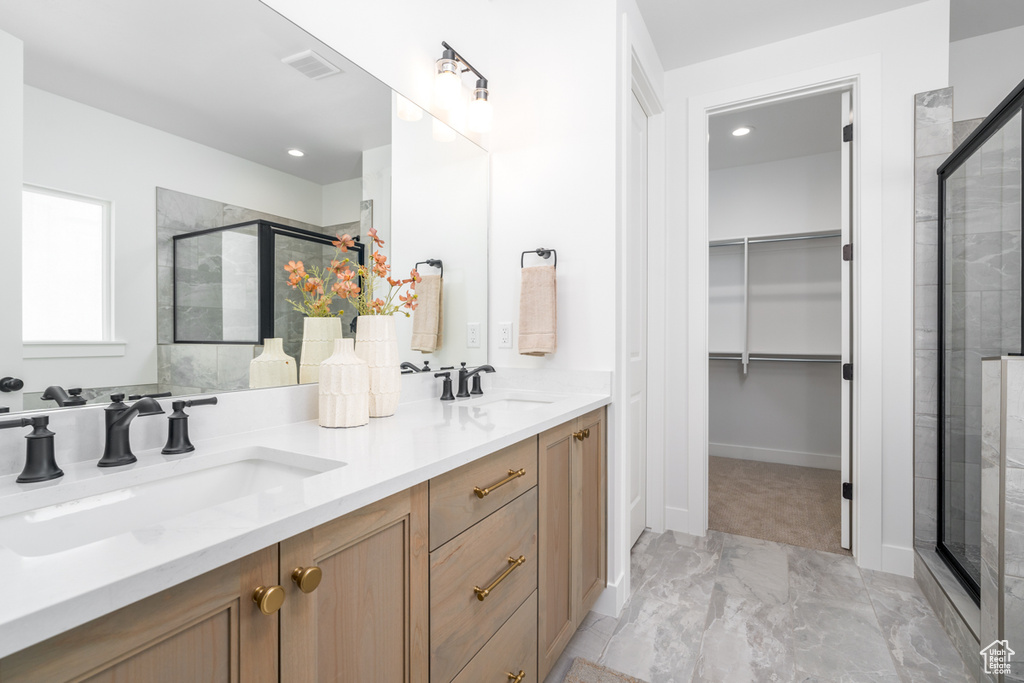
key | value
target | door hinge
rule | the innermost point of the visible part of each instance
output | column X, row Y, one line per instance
column 848, row 491
column 847, row 370
column 847, row 252
column 848, row 132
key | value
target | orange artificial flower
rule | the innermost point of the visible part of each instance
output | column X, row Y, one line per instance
column 344, row 242
column 372, row 232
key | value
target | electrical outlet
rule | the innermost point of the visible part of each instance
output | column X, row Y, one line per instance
column 504, row 335
column 472, row 335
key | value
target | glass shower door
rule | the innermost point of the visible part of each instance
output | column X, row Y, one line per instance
column 980, row 316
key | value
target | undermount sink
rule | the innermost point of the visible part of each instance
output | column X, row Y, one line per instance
column 105, row 506
column 511, row 402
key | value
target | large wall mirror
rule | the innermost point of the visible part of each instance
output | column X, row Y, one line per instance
column 177, row 155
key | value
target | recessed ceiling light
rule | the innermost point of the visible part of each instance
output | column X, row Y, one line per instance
column 300, row 153
column 741, row 131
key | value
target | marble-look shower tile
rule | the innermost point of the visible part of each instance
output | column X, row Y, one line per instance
column 990, row 512
column 655, row 640
column 755, row 567
column 926, row 382
column 926, row 259
column 1013, row 620
column 233, row 366
column 746, row 638
column 962, row 129
column 933, row 106
column 1013, row 531
column 916, row 640
column 925, row 510
column 814, row 571
column 990, row 599
column 191, row 365
column 986, row 268
column 926, row 232
column 839, row 640
column 934, row 139
column 926, row 446
column 926, row 308
column 926, row 200
column 1014, row 420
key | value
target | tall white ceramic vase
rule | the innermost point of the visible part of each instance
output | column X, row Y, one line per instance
column 318, row 335
column 377, row 344
column 273, row 367
column 344, row 388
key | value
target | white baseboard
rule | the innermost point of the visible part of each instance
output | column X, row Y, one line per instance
column 897, row 560
column 818, row 460
column 677, row 519
column 612, row 599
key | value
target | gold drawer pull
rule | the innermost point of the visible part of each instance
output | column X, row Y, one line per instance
column 512, row 474
column 482, row 593
column 579, row 436
column 516, row 679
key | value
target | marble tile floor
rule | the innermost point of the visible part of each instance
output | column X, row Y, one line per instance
column 732, row 609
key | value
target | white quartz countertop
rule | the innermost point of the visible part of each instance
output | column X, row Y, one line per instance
column 51, row 593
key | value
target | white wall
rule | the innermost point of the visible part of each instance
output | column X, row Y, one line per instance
column 896, row 55
column 79, row 149
column 775, row 198
column 341, row 201
column 11, row 121
column 377, row 187
column 983, row 70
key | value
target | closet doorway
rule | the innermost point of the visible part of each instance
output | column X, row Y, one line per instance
column 779, row 325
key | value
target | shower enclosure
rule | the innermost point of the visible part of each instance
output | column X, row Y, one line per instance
column 230, row 286
column 979, row 315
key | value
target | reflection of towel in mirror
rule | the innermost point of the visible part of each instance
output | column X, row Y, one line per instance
column 427, row 320
column 538, row 311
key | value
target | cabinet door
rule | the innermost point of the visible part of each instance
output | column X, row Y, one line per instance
column 206, row 629
column 589, row 545
column 368, row 618
column 555, row 624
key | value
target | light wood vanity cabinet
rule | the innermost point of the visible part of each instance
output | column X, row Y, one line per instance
column 367, row 619
column 388, row 593
column 572, row 483
column 206, row 629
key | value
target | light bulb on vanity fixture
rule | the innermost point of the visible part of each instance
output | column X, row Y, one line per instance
column 407, row 111
column 448, row 92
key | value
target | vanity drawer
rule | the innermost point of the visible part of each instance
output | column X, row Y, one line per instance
column 454, row 503
column 461, row 623
column 513, row 649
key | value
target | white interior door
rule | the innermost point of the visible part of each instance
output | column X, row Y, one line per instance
column 846, row 156
column 11, row 127
column 636, row 292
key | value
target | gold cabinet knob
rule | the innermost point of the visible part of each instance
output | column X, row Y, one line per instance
column 516, row 679
column 269, row 599
column 307, row 578
column 578, row 435
column 586, row 433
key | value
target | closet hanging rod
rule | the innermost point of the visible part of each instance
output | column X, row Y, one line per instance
column 781, row 359
column 765, row 240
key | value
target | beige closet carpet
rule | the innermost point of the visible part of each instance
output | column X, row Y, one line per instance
column 782, row 503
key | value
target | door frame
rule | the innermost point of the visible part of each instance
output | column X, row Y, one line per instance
column 862, row 77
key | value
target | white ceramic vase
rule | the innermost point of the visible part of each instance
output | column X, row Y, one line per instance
column 273, row 367
column 318, row 335
column 377, row 344
column 344, row 388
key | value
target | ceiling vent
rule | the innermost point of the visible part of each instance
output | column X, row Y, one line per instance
column 311, row 65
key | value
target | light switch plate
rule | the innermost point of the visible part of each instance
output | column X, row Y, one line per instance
column 472, row 335
column 504, row 335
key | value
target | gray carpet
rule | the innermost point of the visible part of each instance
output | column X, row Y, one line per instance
column 782, row 503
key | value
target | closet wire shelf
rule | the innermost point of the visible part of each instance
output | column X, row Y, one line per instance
column 779, row 238
column 779, row 359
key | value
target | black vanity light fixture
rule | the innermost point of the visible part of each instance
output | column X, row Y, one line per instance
column 448, row 90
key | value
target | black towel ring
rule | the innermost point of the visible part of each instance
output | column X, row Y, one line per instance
column 542, row 252
column 433, row 263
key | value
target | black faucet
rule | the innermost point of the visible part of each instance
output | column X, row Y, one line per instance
column 446, row 393
column 40, row 463
column 464, row 376
column 71, row 397
column 408, row 367
column 118, row 417
column 177, row 426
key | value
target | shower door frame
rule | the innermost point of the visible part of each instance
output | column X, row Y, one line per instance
column 993, row 123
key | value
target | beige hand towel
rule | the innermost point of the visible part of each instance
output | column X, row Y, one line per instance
column 538, row 311
column 427, row 319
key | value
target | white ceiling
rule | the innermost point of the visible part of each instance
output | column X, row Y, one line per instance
column 208, row 71
column 784, row 130
column 970, row 18
column 691, row 31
